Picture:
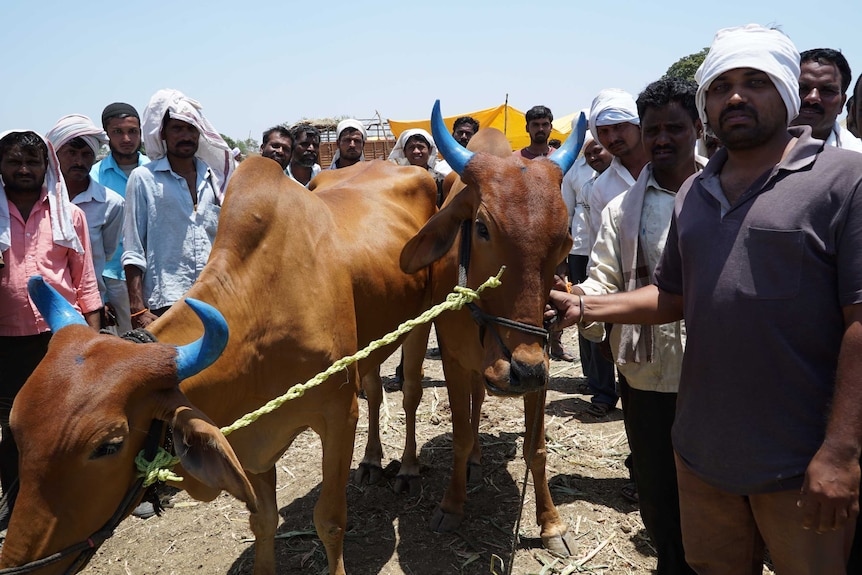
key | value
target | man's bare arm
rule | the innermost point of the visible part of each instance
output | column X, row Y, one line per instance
column 830, row 494
column 647, row 305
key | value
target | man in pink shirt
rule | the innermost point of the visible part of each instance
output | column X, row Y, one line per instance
column 41, row 233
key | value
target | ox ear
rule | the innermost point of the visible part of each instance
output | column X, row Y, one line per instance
column 206, row 454
column 438, row 234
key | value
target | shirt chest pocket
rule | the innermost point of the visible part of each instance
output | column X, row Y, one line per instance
column 774, row 264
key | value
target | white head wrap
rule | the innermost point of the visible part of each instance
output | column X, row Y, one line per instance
column 62, row 229
column 349, row 123
column 612, row 106
column 74, row 126
column 397, row 154
column 752, row 46
column 212, row 149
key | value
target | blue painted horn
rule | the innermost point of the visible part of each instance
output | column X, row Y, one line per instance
column 58, row 313
column 456, row 155
column 566, row 155
column 194, row 357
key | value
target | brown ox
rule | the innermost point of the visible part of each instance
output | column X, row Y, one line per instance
column 302, row 279
column 518, row 220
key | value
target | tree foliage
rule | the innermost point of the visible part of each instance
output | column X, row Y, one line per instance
column 686, row 67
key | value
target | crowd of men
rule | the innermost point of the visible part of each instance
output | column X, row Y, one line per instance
column 715, row 228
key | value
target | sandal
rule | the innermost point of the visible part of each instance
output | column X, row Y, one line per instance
column 630, row 492
column 562, row 355
column 600, row 409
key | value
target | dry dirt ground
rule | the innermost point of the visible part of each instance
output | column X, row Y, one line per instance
column 388, row 534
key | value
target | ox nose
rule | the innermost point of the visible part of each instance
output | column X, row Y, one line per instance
column 526, row 377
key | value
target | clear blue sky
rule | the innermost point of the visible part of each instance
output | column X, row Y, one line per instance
column 255, row 64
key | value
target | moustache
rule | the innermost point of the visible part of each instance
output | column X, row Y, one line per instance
column 186, row 143
column 812, row 106
column 742, row 107
column 659, row 149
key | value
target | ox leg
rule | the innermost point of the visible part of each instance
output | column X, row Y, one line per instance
column 330, row 511
column 265, row 522
column 450, row 512
column 370, row 469
column 477, row 398
column 554, row 531
column 415, row 344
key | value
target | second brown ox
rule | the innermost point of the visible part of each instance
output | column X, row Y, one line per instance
column 301, row 279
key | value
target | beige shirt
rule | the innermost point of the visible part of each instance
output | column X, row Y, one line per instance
column 606, row 276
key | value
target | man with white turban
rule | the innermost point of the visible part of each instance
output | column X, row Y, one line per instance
column 614, row 123
column 172, row 204
column 77, row 141
column 764, row 260
column 41, row 233
column 350, row 136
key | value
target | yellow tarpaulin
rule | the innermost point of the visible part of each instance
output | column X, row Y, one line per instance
column 505, row 118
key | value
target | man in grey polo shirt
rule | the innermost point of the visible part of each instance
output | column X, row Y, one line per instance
column 764, row 260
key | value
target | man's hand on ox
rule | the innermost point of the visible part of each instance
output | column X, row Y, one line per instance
column 830, row 494
column 565, row 307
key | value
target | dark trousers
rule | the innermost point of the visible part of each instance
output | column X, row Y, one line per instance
column 598, row 370
column 648, row 419
column 19, row 356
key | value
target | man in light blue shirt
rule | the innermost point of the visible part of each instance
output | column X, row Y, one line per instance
column 172, row 204
column 123, row 126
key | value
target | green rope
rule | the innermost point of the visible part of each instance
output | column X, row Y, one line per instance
column 159, row 468
column 454, row 301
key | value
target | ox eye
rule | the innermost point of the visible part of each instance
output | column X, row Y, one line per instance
column 482, row 230
column 107, row 448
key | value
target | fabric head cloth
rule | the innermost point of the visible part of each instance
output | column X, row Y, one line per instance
column 397, row 154
column 752, row 46
column 62, row 229
column 212, row 149
column 74, row 126
column 349, row 123
column 116, row 110
column 612, row 106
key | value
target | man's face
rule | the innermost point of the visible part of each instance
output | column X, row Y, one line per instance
column 350, row 144
column 669, row 136
column 822, row 100
column 417, row 152
column 75, row 163
column 23, row 170
column 463, row 133
column 124, row 137
column 305, row 149
column 181, row 138
column 278, row 147
column 597, row 157
column 620, row 139
column 745, row 109
column 539, row 130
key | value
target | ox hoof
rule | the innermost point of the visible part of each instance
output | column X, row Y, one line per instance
column 474, row 473
column 368, row 474
column 564, row 544
column 410, row 484
column 442, row 522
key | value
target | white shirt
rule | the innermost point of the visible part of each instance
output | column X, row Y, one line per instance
column 103, row 208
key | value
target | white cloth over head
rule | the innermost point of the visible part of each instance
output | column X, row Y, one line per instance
column 349, row 123
column 62, row 229
column 212, row 149
column 397, row 154
column 752, row 46
column 74, row 126
column 612, row 106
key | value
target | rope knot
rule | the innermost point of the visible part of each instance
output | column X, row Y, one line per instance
column 159, row 469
